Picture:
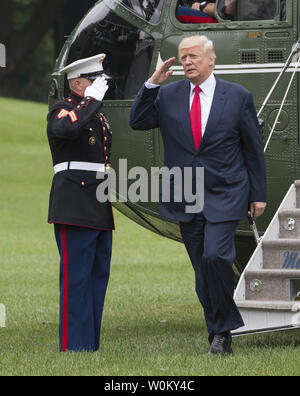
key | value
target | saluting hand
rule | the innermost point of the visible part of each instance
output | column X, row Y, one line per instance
column 163, row 73
column 98, row 89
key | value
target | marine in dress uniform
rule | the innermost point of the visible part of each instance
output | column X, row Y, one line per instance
column 80, row 142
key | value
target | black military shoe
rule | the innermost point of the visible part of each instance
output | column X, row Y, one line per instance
column 221, row 344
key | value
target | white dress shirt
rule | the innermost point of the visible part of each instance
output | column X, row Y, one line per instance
column 206, row 97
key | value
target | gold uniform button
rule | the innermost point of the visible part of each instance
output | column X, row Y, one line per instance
column 83, row 184
column 92, row 141
column 91, row 129
column 105, row 138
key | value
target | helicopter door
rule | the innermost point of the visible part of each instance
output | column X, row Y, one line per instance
column 128, row 50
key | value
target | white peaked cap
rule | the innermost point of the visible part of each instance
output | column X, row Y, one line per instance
column 84, row 67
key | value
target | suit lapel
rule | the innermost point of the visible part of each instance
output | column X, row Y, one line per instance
column 216, row 111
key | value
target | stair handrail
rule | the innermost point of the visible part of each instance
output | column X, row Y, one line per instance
column 282, row 104
column 295, row 49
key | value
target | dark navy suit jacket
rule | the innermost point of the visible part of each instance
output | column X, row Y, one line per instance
column 231, row 150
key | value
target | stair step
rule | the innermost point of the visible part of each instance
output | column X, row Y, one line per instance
column 277, row 305
column 281, row 253
column 272, row 285
column 291, row 212
column 281, row 273
column 277, row 243
column 289, row 221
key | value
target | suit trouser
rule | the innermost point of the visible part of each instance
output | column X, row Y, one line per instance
column 84, row 273
column 212, row 252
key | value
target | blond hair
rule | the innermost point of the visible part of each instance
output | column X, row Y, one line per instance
column 202, row 41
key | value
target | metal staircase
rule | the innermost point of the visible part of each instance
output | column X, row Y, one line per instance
column 268, row 294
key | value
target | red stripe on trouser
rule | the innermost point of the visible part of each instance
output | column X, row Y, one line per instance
column 65, row 290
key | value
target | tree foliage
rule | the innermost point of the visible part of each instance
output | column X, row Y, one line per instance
column 33, row 31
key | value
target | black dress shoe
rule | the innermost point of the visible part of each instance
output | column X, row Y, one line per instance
column 221, row 344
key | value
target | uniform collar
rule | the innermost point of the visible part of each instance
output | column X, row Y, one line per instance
column 75, row 97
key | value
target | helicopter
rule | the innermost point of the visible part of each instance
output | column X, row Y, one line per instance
column 255, row 47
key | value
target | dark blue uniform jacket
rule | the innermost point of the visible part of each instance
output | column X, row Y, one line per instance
column 78, row 131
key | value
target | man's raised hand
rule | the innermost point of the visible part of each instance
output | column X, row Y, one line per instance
column 163, row 73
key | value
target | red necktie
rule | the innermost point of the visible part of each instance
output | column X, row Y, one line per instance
column 196, row 118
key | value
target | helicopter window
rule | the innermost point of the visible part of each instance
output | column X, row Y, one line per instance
column 128, row 50
column 150, row 10
column 188, row 11
column 251, row 10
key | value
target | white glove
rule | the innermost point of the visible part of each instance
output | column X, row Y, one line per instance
column 98, row 89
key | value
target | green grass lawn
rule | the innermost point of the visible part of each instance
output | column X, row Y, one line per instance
column 152, row 323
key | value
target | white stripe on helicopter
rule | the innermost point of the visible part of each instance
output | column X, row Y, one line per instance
column 243, row 69
column 249, row 68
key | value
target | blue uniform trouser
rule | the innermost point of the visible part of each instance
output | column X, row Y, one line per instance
column 212, row 252
column 84, row 272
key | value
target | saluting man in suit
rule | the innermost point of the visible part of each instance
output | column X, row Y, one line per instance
column 80, row 141
column 210, row 123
